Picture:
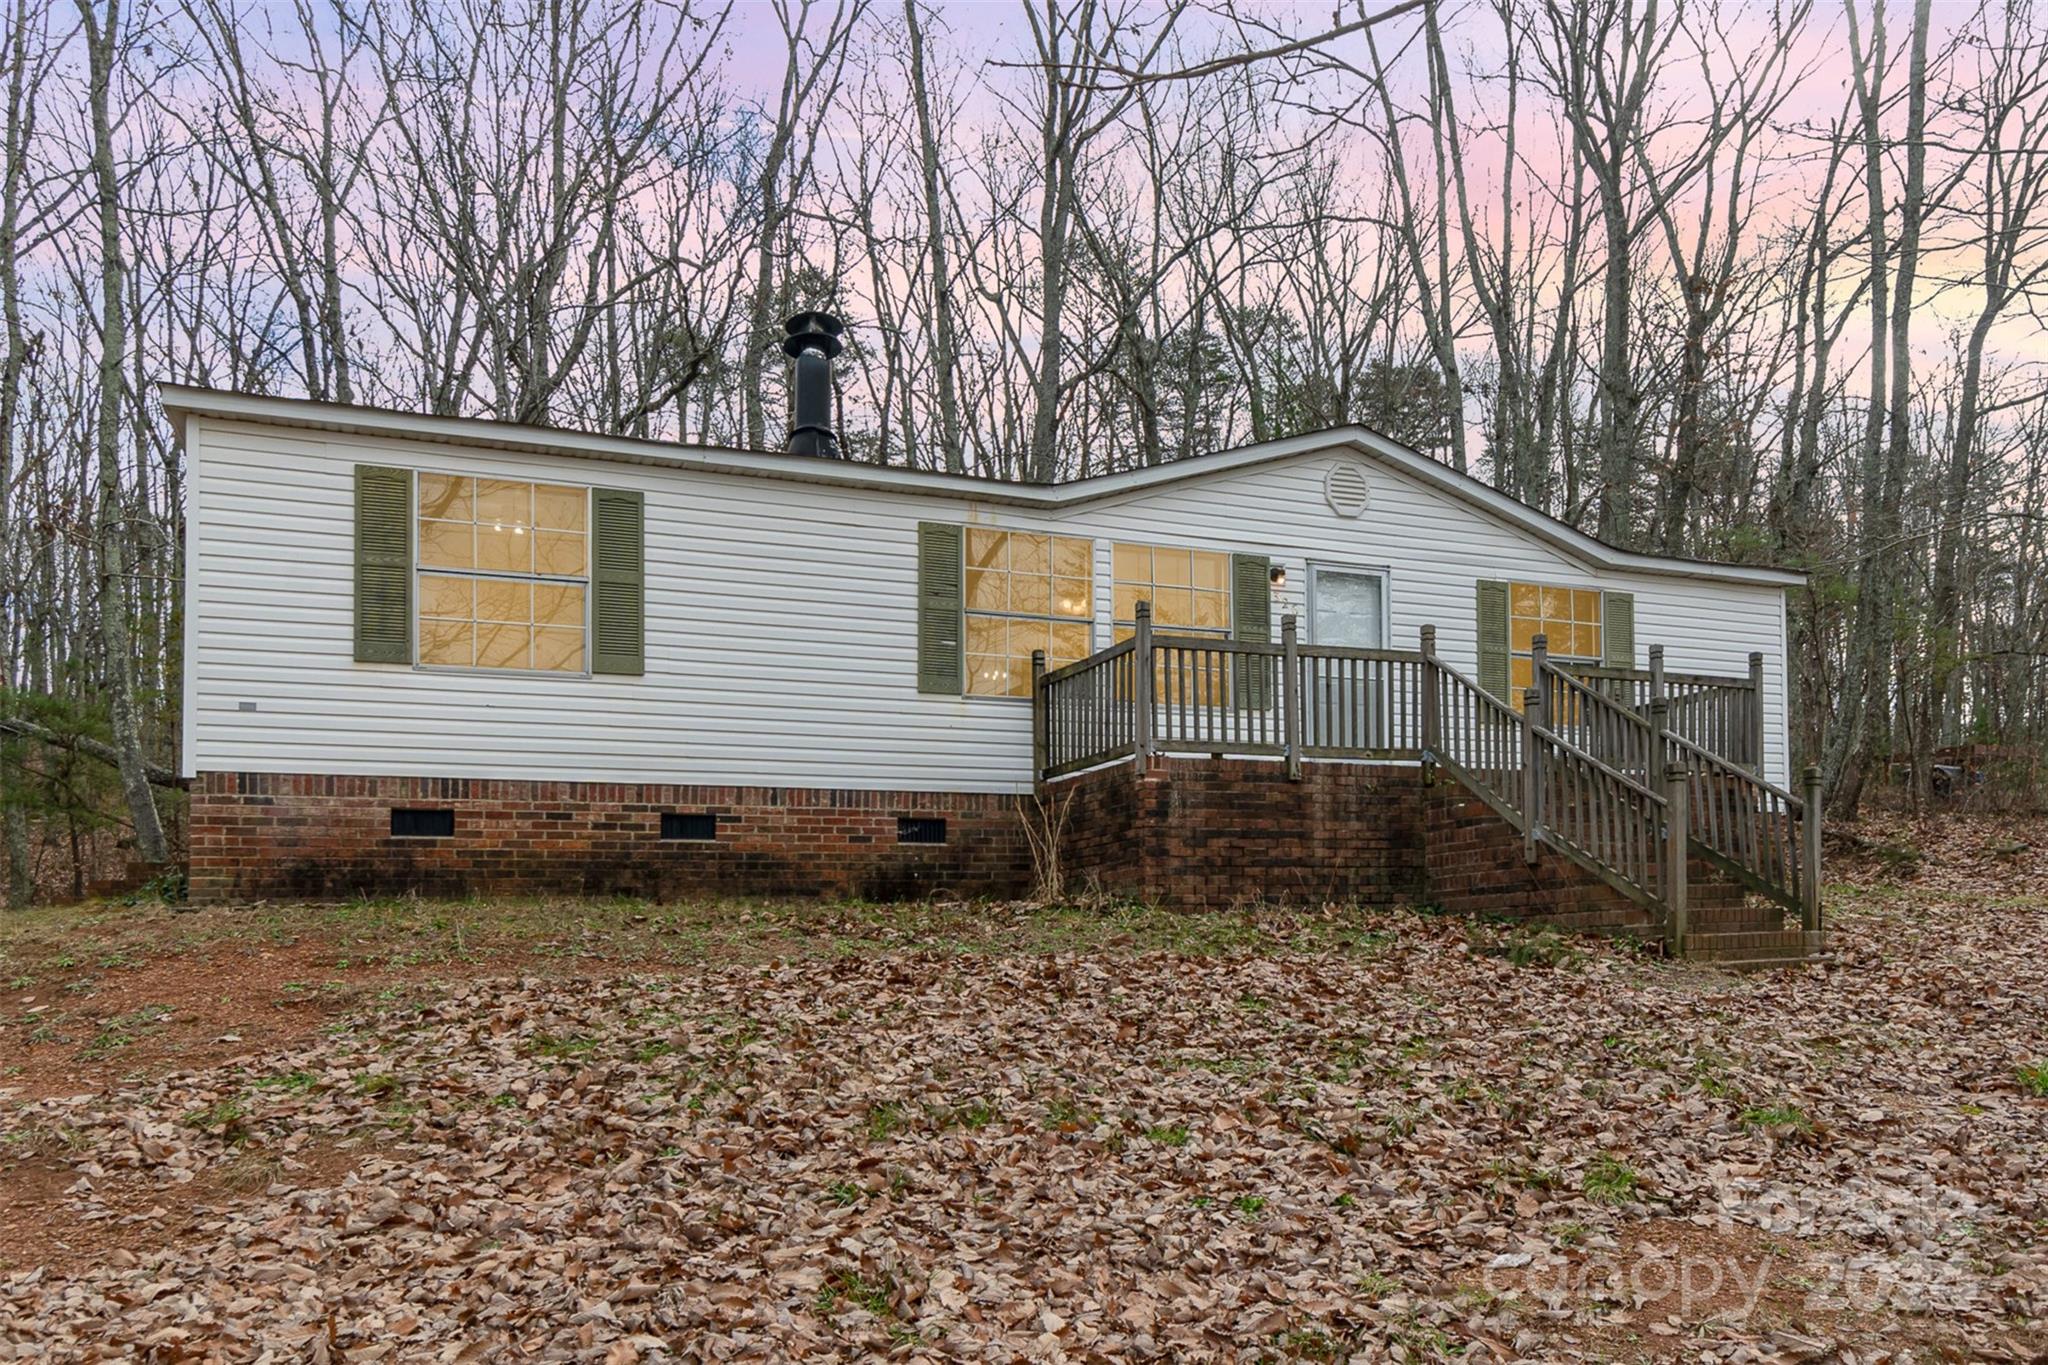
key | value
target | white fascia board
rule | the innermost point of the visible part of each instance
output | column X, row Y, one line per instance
column 182, row 402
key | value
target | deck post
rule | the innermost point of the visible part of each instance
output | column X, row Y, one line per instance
column 1141, row 688
column 1657, row 673
column 1755, row 717
column 1432, row 739
column 1660, row 739
column 1676, row 851
column 1539, row 660
column 1039, row 737
column 1809, row 830
column 1290, row 695
column 1532, row 780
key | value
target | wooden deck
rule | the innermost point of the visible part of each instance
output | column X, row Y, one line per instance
column 1627, row 773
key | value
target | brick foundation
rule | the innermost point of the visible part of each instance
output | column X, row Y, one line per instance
column 302, row 836
column 1209, row 834
column 1187, row 833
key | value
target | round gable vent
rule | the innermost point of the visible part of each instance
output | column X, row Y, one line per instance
column 1345, row 489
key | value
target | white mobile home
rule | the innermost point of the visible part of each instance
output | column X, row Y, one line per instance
column 449, row 652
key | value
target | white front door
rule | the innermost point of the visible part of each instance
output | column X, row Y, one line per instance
column 1344, row 699
column 1347, row 607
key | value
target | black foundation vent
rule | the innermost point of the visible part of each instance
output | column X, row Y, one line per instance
column 694, row 828
column 422, row 824
column 920, row 829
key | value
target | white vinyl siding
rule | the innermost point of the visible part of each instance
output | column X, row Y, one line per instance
column 781, row 643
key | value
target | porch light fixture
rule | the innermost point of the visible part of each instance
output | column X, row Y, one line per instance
column 1278, row 577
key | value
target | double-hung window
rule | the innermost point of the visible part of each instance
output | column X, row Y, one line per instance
column 504, row 574
column 1024, row 592
column 1190, row 595
column 1568, row 619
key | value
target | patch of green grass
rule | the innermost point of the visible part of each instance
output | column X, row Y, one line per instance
column 1397, row 1122
column 1307, row 1343
column 548, row 1045
column 120, row 1031
column 1527, row 946
column 378, row 1085
column 1503, row 1172
column 884, row 1119
column 1249, row 1206
column 1168, row 1135
column 1064, row 1113
column 845, row 1193
column 1376, row 1286
column 291, row 1082
column 2034, row 1080
column 974, row 1116
column 851, row 1287
column 225, row 1114
column 1787, row 1117
column 1569, row 1234
column 1610, row 1181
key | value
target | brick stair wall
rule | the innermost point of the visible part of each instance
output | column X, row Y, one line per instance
column 1216, row 833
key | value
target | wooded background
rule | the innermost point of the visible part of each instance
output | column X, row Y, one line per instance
column 1758, row 283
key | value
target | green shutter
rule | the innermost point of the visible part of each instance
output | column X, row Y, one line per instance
column 939, row 601
column 1493, row 637
column 1251, row 618
column 618, row 582
column 1618, row 629
column 383, row 565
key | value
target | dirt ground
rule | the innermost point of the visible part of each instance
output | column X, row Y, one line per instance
column 616, row 1132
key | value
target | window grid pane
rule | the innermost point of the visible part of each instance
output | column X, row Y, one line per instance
column 519, row 553
column 1024, row 591
column 1189, row 589
column 1567, row 618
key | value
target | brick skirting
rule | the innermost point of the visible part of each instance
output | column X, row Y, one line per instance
column 276, row 835
column 1187, row 833
column 1477, row 866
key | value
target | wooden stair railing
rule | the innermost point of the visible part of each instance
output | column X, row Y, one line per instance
column 1603, row 779
column 1557, row 793
column 1762, row 835
column 1737, row 820
column 1724, row 716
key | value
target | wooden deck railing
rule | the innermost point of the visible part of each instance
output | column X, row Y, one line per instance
column 1592, row 765
column 1081, row 714
column 1208, row 695
column 1724, row 716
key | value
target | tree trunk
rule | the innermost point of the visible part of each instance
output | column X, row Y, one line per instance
column 102, row 38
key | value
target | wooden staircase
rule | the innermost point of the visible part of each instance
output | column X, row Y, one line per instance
column 1592, row 768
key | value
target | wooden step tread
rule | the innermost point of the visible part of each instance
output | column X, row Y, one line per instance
column 1756, row 946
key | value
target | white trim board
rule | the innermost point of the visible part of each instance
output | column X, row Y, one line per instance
column 184, row 401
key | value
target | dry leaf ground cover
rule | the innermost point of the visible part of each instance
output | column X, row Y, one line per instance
column 616, row 1133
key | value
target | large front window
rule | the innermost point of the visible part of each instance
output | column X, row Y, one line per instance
column 1190, row 595
column 1567, row 618
column 1025, row 592
column 504, row 570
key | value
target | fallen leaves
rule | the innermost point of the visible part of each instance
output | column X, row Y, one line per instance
column 1403, row 1151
